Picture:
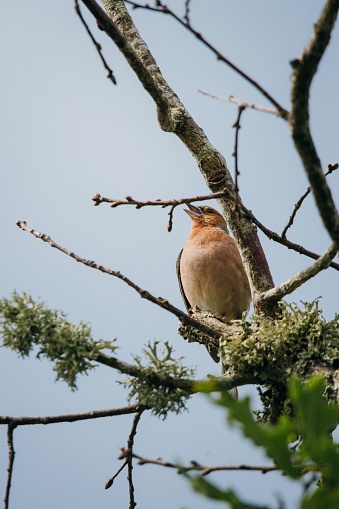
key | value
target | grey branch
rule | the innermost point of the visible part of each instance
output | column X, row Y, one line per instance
column 276, row 294
column 304, row 69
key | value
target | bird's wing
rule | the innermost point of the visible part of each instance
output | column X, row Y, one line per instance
column 187, row 304
column 212, row 350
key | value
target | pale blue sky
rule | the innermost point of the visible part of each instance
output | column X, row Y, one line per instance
column 68, row 133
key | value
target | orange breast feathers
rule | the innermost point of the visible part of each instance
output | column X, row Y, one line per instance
column 210, row 270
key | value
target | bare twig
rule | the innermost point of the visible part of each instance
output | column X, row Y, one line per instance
column 187, row 12
column 55, row 419
column 304, row 69
column 160, row 7
column 11, row 455
column 237, row 128
column 174, row 117
column 111, row 480
column 243, row 104
column 130, row 445
column 195, row 466
column 127, row 455
column 331, row 168
column 159, row 301
column 284, row 242
column 277, row 293
column 175, row 202
column 110, row 74
column 158, row 202
column 162, row 203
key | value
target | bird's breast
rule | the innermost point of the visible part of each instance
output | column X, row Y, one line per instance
column 213, row 276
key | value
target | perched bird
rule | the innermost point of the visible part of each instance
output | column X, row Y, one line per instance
column 210, row 271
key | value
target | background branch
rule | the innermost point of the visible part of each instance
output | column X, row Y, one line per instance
column 243, row 104
column 301, row 277
column 11, row 455
column 304, row 69
column 162, row 8
column 195, row 466
column 55, row 419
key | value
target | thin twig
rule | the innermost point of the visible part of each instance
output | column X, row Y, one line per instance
column 243, row 104
column 159, row 301
column 284, row 242
column 160, row 7
column 158, row 202
column 237, row 128
column 111, row 480
column 297, row 280
column 187, row 12
column 130, row 445
column 128, row 460
column 55, row 419
column 11, row 455
column 110, row 74
column 175, row 202
column 304, row 69
column 195, row 466
column 331, row 168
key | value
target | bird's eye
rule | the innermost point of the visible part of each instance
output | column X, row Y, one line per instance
column 209, row 211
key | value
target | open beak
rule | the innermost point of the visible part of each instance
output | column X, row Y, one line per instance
column 193, row 211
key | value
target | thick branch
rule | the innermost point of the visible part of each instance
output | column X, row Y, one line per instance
column 304, row 70
column 173, row 117
column 276, row 294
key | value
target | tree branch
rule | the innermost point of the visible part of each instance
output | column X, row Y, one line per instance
column 110, row 74
column 11, row 455
column 130, row 445
column 304, row 69
column 173, row 117
column 195, row 466
column 276, row 294
column 243, row 104
column 331, row 169
column 159, row 301
column 55, row 419
column 186, row 23
column 284, row 242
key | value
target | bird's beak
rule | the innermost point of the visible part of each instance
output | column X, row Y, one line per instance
column 193, row 211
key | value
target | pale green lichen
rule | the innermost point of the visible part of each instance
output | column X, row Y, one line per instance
column 300, row 341
column 162, row 399
column 28, row 325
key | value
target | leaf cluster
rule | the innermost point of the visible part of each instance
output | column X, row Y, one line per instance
column 161, row 398
column 27, row 324
column 300, row 445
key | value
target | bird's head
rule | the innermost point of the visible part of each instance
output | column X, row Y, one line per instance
column 206, row 216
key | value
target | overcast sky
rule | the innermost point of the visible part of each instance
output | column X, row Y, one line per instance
column 68, row 133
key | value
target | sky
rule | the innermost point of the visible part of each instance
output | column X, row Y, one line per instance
column 68, row 133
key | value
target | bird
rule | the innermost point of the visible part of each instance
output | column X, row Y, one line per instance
column 210, row 271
